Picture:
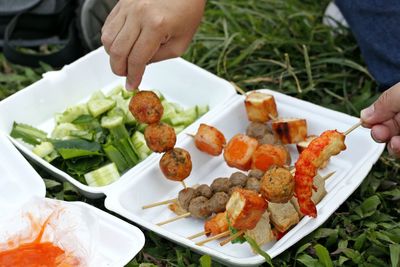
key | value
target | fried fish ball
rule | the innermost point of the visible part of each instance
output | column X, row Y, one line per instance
column 146, row 107
column 218, row 202
column 256, row 174
column 253, row 184
column 277, row 185
column 176, row 164
column 221, row 184
column 204, row 190
column 200, row 208
column 185, row 196
column 160, row 137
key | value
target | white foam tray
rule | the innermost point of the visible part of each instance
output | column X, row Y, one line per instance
column 36, row 105
column 150, row 186
column 118, row 241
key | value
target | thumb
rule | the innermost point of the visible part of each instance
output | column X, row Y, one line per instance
column 385, row 108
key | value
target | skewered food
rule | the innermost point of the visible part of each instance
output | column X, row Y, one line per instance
column 267, row 155
column 256, row 174
column 262, row 233
column 277, row 185
column 303, row 145
column 260, row 107
column 310, row 160
column 233, row 188
column 220, row 184
column 244, row 209
column 209, row 140
column 239, row 150
column 203, row 190
column 238, row 179
column 146, row 107
column 257, row 130
column 290, row 131
column 218, row 202
column 283, row 215
column 160, row 137
column 253, row 184
column 185, row 196
column 216, row 225
column 199, row 207
column 176, row 164
column 268, row 138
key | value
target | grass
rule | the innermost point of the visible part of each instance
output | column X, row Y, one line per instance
column 283, row 45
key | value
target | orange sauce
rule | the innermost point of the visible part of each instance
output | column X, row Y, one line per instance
column 35, row 253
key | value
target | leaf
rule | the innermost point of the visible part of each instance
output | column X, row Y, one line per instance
column 368, row 207
column 394, row 254
column 323, row 255
column 257, row 249
column 76, row 148
column 205, row 261
column 51, row 184
column 309, row 261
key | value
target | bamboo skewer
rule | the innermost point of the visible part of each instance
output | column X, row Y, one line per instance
column 231, row 238
column 168, row 201
column 238, row 89
column 174, row 219
column 197, row 235
column 184, row 185
column 352, row 128
column 223, row 234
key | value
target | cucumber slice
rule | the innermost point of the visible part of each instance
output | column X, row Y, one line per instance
column 111, row 122
column 73, row 112
column 97, row 95
column 115, row 91
column 185, row 118
column 99, row 106
column 201, row 110
column 43, row 149
column 140, row 144
column 102, row 176
column 63, row 131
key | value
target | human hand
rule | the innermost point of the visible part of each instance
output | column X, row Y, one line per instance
column 383, row 118
column 138, row 32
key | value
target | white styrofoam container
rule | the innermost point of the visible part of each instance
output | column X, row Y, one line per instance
column 36, row 105
column 351, row 167
column 117, row 241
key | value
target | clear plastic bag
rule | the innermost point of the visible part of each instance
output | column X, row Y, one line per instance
column 63, row 224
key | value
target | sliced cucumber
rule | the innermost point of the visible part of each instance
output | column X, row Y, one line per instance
column 201, row 110
column 72, row 113
column 99, row 106
column 111, row 122
column 185, row 118
column 115, row 91
column 43, row 149
column 63, row 130
column 140, row 144
column 97, row 95
column 102, row 176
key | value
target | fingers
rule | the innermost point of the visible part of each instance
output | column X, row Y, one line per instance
column 394, row 146
column 174, row 48
column 385, row 108
column 111, row 31
column 122, row 46
column 143, row 50
column 111, row 16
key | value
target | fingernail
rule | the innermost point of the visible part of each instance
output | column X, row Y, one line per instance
column 366, row 113
column 128, row 86
column 376, row 139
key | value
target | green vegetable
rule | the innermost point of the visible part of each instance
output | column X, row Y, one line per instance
column 71, row 113
column 102, row 176
column 28, row 133
column 63, row 130
column 116, row 156
column 43, row 149
column 201, row 110
column 257, row 249
column 139, row 143
column 76, row 148
column 99, row 106
column 185, row 118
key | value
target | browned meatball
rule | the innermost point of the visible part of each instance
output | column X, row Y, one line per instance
column 146, row 107
column 256, row 174
column 160, row 137
column 204, row 190
column 218, row 202
column 253, row 184
column 267, row 139
column 238, row 179
column 221, row 185
column 176, row 164
column 185, row 196
column 199, row 207
column 257, row 130
column 277, row 185
column 289, row 158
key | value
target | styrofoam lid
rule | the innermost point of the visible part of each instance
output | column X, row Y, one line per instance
column 18, row 180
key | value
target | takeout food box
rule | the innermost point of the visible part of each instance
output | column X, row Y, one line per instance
column 115, row 242
column 150, row 186
column 178, row 80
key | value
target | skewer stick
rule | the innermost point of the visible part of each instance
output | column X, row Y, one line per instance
column 174, row 219
column 197, row 235
column 159, row 203
column 355, row 126
column 238, row 89
column 184, row 185
column 326, row 177
column 232, row 237
column 223, row 234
